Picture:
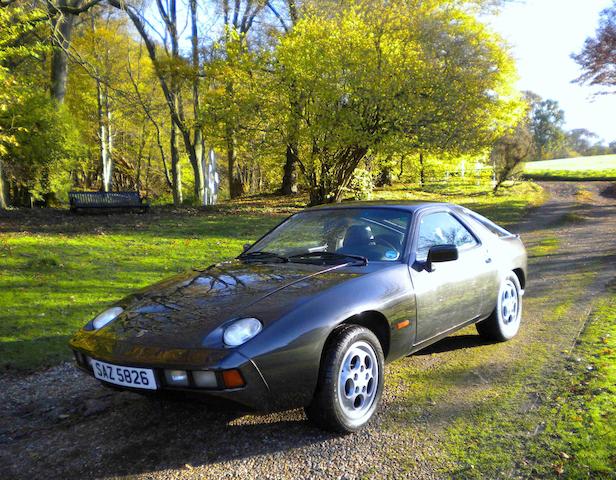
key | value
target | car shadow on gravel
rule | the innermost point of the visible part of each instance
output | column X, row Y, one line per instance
column 152, row 435
column 93, row 432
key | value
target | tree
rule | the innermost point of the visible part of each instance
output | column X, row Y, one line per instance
column 245, row 112
column 598, row 56
column 62, row 16
column 510, row 152
column 581, row 141
column 113, row 94
column 45, row 146
column 17, row 43
column 289, row 184
column 173, row 72
column 237, row 23
column 546, row 124
column 428, row 78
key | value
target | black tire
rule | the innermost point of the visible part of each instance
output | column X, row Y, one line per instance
column 501, row 325
column 326, row 409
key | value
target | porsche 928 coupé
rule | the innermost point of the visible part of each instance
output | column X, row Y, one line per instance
column 309, row 314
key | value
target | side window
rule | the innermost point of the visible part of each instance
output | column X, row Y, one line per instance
column 441, row 229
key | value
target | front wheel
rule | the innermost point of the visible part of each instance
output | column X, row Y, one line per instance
column 504, row 322
column 350, row 381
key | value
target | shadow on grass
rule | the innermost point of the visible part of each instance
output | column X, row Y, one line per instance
column 34, row 353
column 456, row 342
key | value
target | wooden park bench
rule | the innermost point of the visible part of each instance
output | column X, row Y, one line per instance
column 83, row 201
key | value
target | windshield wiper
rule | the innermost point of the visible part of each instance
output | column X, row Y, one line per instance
column 358, row 259
column 262, row 255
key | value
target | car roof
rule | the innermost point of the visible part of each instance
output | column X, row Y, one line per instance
column 410, row 205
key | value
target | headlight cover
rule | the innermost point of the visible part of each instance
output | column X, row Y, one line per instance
column 107, row 316
column 240, row 331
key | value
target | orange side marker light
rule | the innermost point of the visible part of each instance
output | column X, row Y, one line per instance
column 403, row 324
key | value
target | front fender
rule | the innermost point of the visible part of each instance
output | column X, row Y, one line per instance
column 288, row 352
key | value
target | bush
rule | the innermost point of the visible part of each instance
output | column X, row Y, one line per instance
column 361, row 185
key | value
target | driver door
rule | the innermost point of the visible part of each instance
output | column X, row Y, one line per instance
column 448, row 294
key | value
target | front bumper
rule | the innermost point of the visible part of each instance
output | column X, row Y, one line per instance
column 254, row 394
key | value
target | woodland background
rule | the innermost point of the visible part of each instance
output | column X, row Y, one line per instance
column 328, row 97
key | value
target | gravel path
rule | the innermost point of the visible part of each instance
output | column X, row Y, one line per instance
column 59, row 423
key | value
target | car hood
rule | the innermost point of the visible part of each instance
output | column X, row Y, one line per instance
column 181, row 311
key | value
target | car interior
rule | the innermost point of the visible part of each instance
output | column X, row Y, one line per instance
column 359, row 239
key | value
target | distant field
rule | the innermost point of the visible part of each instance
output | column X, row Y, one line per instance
column 600, row 167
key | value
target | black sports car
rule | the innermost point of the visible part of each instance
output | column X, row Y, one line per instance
column 308, row 315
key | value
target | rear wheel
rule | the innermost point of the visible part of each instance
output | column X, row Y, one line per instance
column 350, row 381
column 504, row 322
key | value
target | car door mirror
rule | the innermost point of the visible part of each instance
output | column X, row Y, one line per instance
column 441, row 253
column 246, row 246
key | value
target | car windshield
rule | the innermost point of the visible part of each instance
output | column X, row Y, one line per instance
column 338, row 234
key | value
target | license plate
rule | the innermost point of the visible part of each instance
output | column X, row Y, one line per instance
column 124, row 376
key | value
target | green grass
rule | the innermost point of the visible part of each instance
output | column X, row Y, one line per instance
column 52, row 282
column 506, row 207
column 580, row 434
column 494, row 438
column 600, row 167
column 545, row 246
column 57, row 270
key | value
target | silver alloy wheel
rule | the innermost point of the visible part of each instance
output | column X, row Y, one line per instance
column 358, row 380
column 509, row 307
column 509, row 302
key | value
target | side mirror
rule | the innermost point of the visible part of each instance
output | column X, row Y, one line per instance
column 441, row 253
column 247, row 246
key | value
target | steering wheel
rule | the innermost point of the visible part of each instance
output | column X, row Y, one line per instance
column 379, row 240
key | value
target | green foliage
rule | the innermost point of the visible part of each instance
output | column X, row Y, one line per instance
column 546, row 120
column 361, row 185
column 510, row 152
column 390, row 78
column 15, row 24
column 44, row 147
column 239, row 107
column 116, row 72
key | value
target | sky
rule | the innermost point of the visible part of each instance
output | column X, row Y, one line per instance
column 542, row 35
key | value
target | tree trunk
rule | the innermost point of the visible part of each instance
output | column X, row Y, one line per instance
column 197, row 160
column 317, row 195
column 385, row 177
column 343, row 179
column 62, row 25
column 176, row 170
column 422, row 170
column 103, row 134
column 109, row 141
column 4, row 200
column 289, row 179
column 236, row 187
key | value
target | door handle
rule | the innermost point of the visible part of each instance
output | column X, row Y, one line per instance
column 488, row 260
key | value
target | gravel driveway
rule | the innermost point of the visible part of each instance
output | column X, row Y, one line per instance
column 59, row 423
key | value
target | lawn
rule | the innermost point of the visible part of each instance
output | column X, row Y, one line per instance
column 581, row 432
column 600, row 167
column 58, row 270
